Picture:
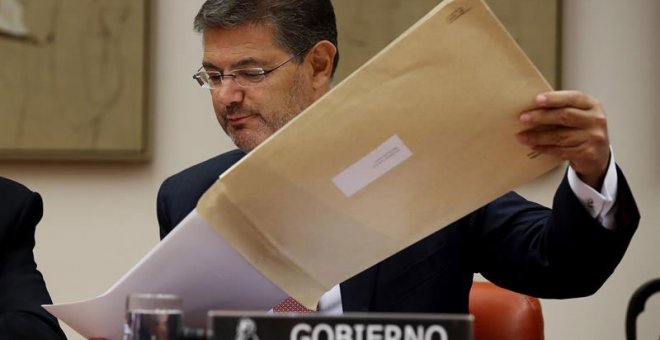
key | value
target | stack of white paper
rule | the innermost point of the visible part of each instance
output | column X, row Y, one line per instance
column 193, row 262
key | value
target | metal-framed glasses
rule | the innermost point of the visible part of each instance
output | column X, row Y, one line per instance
column 246, row 77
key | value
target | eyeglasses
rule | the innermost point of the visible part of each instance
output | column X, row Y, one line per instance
column 244, row 77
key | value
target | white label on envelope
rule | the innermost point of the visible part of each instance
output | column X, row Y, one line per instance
column 377, row 163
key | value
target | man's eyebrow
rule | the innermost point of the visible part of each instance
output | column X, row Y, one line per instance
column 207, row 65
column 245, row 62
column 250, row 61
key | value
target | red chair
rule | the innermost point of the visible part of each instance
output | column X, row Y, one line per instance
column 501, row 314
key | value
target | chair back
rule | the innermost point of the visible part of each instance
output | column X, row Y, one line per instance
column 636, row 306
column 500, row 314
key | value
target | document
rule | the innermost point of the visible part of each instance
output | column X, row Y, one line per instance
column 418, row 137
column 194, row 262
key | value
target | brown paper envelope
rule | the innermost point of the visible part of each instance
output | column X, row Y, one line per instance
column 418, row 137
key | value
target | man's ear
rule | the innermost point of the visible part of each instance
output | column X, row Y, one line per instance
column 321, row 58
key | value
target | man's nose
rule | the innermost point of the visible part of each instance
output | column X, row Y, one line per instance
column 228, row 93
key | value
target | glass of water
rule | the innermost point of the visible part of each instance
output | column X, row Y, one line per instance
column 153, row 317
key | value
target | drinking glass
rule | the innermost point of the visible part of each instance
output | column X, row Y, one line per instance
column 153, row 317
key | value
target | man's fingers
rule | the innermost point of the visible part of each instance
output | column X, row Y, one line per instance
column 565, row 108
column 559, row 99
column 557, row 137
column 568, row 117
column 569, row 125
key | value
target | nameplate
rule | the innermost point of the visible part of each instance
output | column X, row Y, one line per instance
column 353, row 326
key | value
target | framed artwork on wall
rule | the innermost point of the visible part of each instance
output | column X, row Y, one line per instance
column 367, row 26
column 73, row 80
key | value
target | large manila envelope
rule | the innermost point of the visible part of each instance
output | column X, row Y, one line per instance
column 418, row 137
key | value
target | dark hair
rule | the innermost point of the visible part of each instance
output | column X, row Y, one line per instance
column 299, row 24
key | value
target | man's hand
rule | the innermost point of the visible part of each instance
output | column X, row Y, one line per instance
column 572, row 126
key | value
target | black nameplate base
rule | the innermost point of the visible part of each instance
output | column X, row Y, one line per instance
column 353, row 326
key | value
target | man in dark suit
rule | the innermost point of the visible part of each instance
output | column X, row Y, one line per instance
column 263, row 68
column 22, row 288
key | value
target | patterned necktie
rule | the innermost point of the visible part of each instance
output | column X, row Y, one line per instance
column 290, row 305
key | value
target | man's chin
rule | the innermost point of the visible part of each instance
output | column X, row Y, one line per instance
column 247, row 141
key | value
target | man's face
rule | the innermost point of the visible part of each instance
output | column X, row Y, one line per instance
column 249, row 115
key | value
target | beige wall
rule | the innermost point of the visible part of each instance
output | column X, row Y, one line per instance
column 612, row 51
column 100, row 218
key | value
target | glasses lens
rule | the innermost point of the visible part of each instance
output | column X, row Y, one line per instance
column 213, row 79
column 246, row 77
column 249, row 77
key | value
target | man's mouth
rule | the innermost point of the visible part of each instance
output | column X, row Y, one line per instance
column 236, row 119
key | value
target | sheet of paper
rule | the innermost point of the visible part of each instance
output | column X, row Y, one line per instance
column 194, row 262
column 418, row 137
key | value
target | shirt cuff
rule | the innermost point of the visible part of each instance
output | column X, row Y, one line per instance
column 600, row 205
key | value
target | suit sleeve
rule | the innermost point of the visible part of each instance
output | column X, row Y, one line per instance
column 22, row 288
column 164, row 221
column 558, row 253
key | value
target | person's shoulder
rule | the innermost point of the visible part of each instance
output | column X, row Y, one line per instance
column 19, row 208
column 208, row 169
column 221, row 162
column 179, row 193
column 13, row 193
column 8, row 185
column 196, row 179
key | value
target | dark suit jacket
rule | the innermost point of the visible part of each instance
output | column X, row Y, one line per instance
column 22, row 288
column 517, row 244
